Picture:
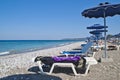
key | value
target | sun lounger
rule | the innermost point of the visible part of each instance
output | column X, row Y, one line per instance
column 112, row 47
column 83, row 51
column 51, row 62
column 72, row 62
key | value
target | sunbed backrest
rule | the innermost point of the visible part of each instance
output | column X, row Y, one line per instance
column 86, row 47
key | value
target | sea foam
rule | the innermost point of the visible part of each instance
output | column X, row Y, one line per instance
column 4, row 53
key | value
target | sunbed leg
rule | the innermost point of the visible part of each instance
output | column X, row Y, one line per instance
column 87, row 69
column 73, row 68
column 51, row 70
column 40, row 66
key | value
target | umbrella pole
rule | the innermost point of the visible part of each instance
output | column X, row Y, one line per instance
column 105, row 53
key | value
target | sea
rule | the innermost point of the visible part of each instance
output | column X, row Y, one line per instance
column 8, row 47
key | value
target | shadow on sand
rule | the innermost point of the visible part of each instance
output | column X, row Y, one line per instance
column 30, row 77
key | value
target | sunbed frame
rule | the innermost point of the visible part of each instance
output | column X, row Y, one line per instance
column 89, row 61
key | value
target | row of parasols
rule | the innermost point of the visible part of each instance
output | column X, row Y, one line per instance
column 102, row 10
column 97, row 30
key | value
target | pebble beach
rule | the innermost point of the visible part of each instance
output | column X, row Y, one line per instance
column 22, row 67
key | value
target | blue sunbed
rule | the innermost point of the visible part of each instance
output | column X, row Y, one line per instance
column 80, row 52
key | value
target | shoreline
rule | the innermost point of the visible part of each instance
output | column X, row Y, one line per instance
column 5, row 53
column 57, row 49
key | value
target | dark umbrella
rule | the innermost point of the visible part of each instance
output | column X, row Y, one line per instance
column 97, row 26
column 103, row 10
column 97, row 31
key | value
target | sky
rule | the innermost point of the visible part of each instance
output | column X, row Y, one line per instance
column 50, row 19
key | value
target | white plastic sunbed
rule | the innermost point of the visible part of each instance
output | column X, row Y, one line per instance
column 83, row 51
column 89, row 61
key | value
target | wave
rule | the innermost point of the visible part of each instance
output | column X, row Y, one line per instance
column 4, row 53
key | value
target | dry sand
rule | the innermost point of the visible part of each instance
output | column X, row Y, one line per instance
column 21, row 66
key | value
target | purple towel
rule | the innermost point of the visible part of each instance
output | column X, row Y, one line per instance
column 73, row 58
